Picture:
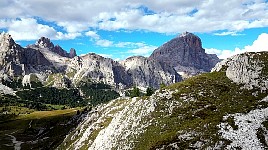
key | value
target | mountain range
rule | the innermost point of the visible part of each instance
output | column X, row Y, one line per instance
column 183, row 54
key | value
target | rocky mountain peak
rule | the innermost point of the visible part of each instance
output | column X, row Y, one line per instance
column 185, row 54
column 184, row 34
column 72, row 53
column 191, row 39
column 44, row 42
column 6, row 41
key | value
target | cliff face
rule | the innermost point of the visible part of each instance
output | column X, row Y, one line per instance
column 185, row 54
column 15, row 60
column 249, row 69
column 134, row 71
column 144, row 71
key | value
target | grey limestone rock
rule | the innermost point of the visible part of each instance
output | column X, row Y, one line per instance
column 185, row 54
column 249, row 69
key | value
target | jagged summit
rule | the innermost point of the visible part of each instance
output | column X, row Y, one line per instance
column 185, row 54
column 45, row 43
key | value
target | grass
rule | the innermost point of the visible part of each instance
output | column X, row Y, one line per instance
column 214, row 96
column 27, row 127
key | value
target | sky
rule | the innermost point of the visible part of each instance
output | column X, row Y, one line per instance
column 118, row 29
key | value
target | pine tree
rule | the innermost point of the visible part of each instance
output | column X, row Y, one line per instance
column 149, row 91
column 135, row 92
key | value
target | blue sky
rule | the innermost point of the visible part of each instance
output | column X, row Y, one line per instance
column 120, row 28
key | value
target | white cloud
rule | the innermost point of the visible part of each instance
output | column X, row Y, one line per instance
column 142, row 51
column 30, row 29
column 104, row 43
column 232, row 33
column 66, row 36
column 108, row 43
column 260, row 44
column 92, row 34
column 169, row 16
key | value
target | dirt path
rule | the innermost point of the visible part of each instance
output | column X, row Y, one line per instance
column 17, row 144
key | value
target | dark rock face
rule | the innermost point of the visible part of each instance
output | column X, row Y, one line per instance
column 183, row 52
column 72, row 53
column 46, row 43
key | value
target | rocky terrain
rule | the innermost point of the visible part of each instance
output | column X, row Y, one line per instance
column 249, row 69
column 216, row 110
column 55, row 67
column 185, row 54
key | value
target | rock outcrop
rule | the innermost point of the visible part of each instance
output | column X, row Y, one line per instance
column 185, row 54
column 249, row 69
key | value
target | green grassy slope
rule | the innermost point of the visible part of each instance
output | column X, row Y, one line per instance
column 38, row 130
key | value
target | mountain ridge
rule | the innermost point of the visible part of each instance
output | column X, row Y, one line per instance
column 52, row 59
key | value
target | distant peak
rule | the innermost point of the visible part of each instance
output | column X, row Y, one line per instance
column 44, row 42
column 72, row 53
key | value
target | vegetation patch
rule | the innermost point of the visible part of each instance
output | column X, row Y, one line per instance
column 39, row 129
column 204, row 100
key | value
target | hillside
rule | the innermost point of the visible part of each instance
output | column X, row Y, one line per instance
column 209, row 111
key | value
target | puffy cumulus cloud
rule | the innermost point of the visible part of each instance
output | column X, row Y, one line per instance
column 207, row 16
column 145, row 50
column 108, row 43
column 30, row 29
column 12, row 9
column 169, row 16
column 260, row 44
column 104, row 43
column 92, row 34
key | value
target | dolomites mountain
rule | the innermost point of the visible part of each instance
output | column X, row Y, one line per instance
column 53, row 66
column 216, row 110
column 46, row 43
column 15, row 60
column 185, row 54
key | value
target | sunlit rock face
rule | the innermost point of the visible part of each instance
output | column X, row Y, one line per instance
column 249, row 69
